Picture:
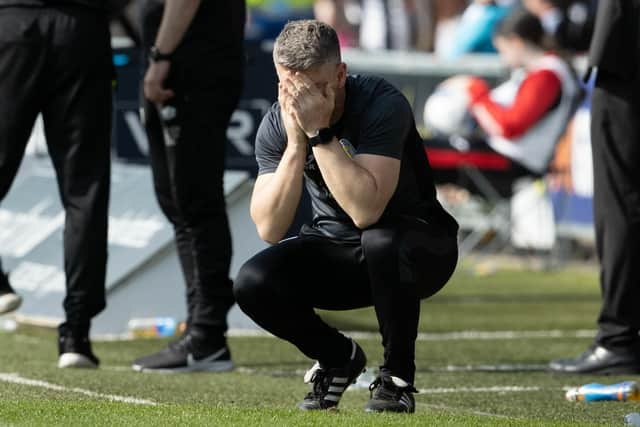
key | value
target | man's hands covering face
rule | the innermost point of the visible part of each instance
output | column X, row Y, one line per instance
column 311, row 108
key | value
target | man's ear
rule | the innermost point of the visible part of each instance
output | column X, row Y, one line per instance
column 342, row 74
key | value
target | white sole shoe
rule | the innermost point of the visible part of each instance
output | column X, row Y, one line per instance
column 75, row 360
column 9, row 302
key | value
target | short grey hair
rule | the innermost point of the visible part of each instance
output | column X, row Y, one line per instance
column 306, row 43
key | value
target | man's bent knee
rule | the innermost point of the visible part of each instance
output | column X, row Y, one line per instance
column 246, row 287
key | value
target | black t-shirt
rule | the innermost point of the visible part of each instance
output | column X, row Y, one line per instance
column 377, row 120
column 215, row 34
column 98, row 4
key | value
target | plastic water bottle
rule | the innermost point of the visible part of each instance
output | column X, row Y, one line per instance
column 627, row 390
column 152, row 327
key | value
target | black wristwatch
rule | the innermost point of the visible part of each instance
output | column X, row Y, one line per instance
column 322, row 136
column 155, row 55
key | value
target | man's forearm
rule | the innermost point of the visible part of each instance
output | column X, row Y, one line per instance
column 176, row 18
column 274, row 204
column 354, row 187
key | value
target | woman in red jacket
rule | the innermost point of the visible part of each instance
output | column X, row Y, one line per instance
column 523, row 118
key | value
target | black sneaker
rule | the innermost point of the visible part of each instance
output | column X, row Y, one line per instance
column 9, row 299
column 190, row 353
column 330, row 383
column 391, row 394
column 75, row 351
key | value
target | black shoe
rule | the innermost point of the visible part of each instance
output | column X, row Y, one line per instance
column 599, row 360
column 391, row 394
column 9, row 299
column 192, row 352
column 74, row 350
column 330, row 383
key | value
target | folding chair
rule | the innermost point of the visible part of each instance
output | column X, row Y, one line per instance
column 471, row 164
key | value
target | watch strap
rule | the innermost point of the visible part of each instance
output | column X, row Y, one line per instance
column 323, row 136
column 155, row 55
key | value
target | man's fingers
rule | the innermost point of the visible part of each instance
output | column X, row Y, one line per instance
column 156, row 93
column 166, row 94
column 304, row 81
column 289, row 89
column 302, row 84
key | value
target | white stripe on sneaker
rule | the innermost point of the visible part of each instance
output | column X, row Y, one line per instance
column 334, row 389
column 405, row 401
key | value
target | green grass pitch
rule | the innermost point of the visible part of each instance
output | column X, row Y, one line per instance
column 454, row 371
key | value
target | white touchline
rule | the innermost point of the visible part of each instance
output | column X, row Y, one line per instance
column 450, row 336
column 17, row 379
column 422, row 336
column 489, row 335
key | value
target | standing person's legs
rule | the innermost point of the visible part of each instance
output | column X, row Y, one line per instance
column 187, row 140
column 77, row 118
column 22, row 56
column 196, row 161
column 615, row 137
column 614, row 140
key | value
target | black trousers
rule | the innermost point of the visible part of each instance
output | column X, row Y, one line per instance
column 57, row 61
column 187, row 140
column 396, row 264
column 615, row 135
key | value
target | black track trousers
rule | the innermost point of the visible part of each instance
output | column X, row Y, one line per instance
column 396, row 264
column 57, row 61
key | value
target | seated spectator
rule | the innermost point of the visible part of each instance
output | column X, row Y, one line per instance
column 523, row 118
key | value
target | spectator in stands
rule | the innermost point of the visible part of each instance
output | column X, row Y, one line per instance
column 379, row 236
column 446, row 15
column 476, row 27
column 568, row 22
column 55, row 59
column 385, row 24
column 523, row 118
column 615, row 136
column 192, row 86
column 334, row 13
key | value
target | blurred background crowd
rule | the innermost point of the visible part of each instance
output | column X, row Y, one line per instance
column 448, row 28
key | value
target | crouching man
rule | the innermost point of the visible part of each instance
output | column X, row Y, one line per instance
column 378, row 236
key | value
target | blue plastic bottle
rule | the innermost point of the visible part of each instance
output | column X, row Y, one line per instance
column 149, row 327
column 627, row 390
